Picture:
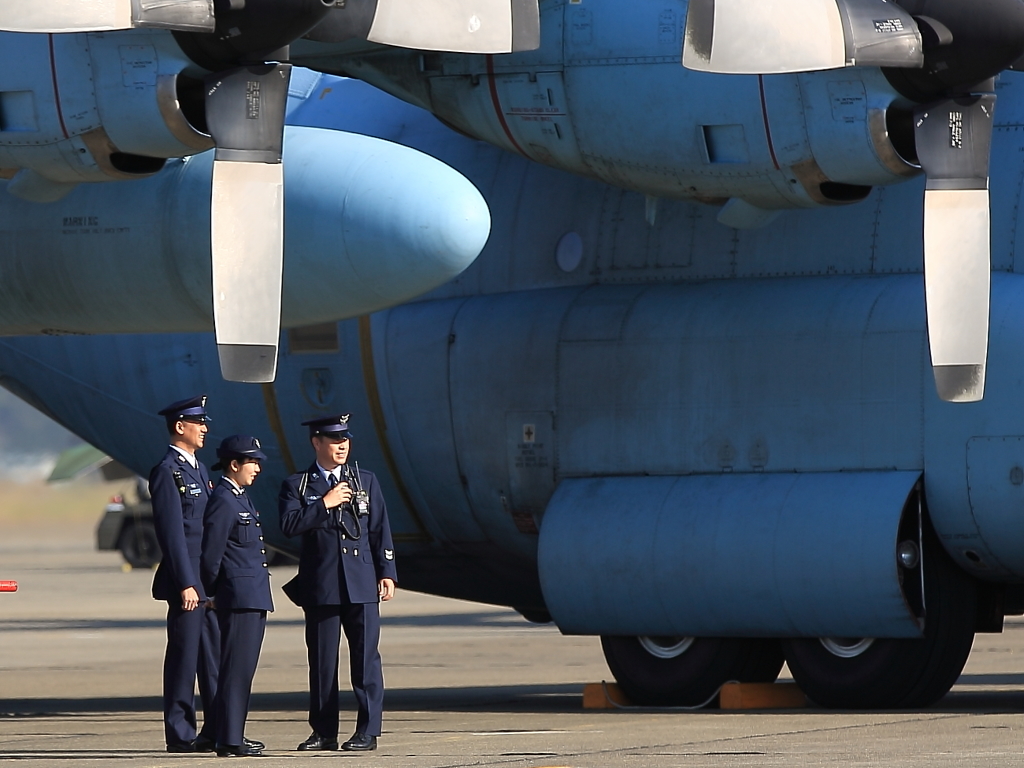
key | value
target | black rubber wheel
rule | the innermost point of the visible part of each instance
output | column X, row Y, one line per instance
column 892, row 674
column 687, row 671
column 138, row 544
column 763, row 663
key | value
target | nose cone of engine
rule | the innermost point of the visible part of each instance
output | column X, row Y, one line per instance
column 370, row 224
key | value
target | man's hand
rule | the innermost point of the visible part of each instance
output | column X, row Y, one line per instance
column 340, row 494
column 386, row 589
column 189, row 599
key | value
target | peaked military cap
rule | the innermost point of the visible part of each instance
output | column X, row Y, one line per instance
column 238, row 447
column 330, row 426
column 190, row 409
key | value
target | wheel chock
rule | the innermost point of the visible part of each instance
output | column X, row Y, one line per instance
column 8, row 586
column 604, row 696
column 761, row 696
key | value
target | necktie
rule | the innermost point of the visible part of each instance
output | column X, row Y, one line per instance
column 332, row 480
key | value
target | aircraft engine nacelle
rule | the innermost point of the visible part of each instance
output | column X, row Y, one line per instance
column 93, row 107
column 368, row 224
column 606, row 97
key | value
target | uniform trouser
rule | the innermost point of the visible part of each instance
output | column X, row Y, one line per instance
column 323, row 636
column 193, row 648
column 241, row 637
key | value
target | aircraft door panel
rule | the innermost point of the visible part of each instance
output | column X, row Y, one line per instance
column 413, row 372
column 532, row 468
column 502, row 377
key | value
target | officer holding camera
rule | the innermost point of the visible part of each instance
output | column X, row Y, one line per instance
column 346, row 567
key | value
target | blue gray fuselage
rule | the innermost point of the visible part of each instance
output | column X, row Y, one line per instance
column 678, row 349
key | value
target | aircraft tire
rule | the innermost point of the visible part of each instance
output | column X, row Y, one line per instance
column 764, row 662
column 888, row 673
column 138, row 544
column 692, row 676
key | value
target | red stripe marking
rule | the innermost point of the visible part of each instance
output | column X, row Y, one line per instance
column 767, row 125
column 56, row 89
column 497, row 105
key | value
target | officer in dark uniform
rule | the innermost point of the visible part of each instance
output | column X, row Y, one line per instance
column 180, row 487
column 235, row 575
column 346, row 567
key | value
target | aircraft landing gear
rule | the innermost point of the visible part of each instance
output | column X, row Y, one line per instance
column 862, row 673
column 687, row 671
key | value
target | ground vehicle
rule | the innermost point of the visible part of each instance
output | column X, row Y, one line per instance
column 128, row 527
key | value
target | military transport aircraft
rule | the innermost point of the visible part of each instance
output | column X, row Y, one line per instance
column 687, row 397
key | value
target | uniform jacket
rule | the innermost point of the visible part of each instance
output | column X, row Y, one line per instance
column 233, row 565
column 178, row 516
column 334, row 569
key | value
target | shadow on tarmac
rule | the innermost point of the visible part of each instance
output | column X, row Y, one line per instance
column 566, row 698
column 489, row 619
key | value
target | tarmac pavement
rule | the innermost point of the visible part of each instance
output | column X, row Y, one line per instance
column 81, row 647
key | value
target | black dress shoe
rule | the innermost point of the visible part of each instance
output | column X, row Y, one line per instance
column 316, row 743
column 241, row 751
column 253, row 743
column 360, row 742
column 184, row 747
column 203, row 744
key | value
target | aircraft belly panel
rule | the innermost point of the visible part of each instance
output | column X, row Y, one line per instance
column 971, row 452
column 728, row 556
column 995, row 486
column 804, row 375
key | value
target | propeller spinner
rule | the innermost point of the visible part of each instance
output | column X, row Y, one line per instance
column 941, row 54
column 243, row 42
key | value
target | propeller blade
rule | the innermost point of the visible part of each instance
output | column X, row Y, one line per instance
column 57, row 16
column 776, row 36
column 245, row 111
column 954, row 139
column 462, row 26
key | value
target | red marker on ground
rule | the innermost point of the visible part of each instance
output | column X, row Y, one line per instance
column 8, row 586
